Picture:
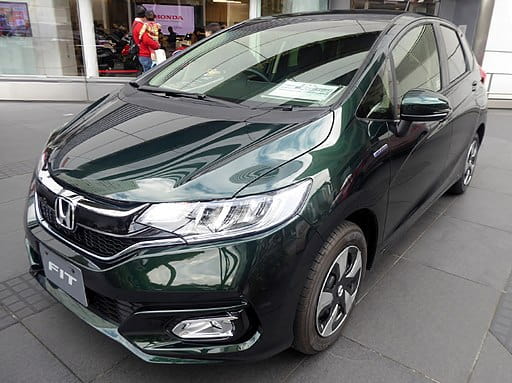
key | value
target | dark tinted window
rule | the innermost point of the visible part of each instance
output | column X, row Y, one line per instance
column 377, row 103
column 417, row 61
column 454, row 52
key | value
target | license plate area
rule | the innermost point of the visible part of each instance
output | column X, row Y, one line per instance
column 64, row 274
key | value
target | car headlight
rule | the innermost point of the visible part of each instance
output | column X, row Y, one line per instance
column 202, row 221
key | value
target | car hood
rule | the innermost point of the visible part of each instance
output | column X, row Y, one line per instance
column 147, row 148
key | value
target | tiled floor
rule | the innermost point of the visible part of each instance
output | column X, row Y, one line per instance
column 437, row 308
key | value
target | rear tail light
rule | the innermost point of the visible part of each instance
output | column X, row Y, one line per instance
column 483, row 75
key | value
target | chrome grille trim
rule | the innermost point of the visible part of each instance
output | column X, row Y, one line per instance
column 137, row 246
column 48, row 182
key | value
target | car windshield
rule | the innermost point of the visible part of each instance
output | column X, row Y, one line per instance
column 289, row 61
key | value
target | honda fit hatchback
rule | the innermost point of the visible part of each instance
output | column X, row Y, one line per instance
column 225, row 205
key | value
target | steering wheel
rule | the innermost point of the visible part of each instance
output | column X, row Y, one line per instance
column 257, row 73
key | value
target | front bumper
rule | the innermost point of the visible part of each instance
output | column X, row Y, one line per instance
column 111, row 330
column 260, row 277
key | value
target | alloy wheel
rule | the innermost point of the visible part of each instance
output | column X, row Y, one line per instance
column 339, row 291
column 470, row 162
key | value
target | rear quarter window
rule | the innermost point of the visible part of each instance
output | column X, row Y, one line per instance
column 456, row 59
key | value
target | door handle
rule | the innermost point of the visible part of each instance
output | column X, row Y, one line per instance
column 474, row 85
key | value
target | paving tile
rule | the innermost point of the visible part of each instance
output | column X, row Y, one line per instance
column 494, row 179
column 349, row 362
column 497, row 120
column 381, row 266
column 497, row 152
column 6, row 319
column 501, row 326
column 425, row 319
column 442, row 203
column 13, row 256
column 23, row 297
column 485, row 207
column 12, row 216
column 85, row 351
column 275, row 369
column 14, row 188
column 12, row 169
column 27, row 360
column 494, row 364
column 409, row 237
column 469, row 250
column 23, row 144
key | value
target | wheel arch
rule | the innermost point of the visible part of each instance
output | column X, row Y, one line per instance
column 481, row 132
column 368, row 223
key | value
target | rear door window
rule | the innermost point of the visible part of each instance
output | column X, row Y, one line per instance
column 416, row 61
column 454, row 52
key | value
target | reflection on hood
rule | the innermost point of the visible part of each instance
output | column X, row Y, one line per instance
column 129, row 152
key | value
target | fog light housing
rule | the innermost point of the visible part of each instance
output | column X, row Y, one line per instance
column 220, row 327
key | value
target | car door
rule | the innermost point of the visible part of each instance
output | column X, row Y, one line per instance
column 463, row 83
column 418, row 158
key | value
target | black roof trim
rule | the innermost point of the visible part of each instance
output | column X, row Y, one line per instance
column 348, row 12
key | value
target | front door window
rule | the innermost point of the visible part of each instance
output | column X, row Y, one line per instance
column 416, row 61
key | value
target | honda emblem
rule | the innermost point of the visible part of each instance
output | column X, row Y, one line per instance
column 65, row 213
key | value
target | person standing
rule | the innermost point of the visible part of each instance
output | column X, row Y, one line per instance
column 212, row 28
column 151, row 28
column 145, row 43
column 171, row 38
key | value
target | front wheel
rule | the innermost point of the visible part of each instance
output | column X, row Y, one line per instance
column 331, row 289
column 463, row 182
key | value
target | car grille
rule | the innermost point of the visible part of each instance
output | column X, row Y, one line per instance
column 90, row 240
column 110, row 309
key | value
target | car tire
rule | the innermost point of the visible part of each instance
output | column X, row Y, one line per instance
column 464, row 181
column 317, row 322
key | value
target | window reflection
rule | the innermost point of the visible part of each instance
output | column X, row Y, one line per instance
column 187, row 18
column 252, row 66
column 212, row 268
column 416, row 61
column 37, row 39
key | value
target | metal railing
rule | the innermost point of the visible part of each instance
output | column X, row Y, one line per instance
column 499, row 84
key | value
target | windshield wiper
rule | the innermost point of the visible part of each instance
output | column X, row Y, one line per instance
column 167, row 92
column 289, row 107
column 195, row 96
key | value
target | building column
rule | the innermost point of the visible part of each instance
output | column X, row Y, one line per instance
column 88, row 38
column 339, row 4
column 482, row 29
column 254, row 8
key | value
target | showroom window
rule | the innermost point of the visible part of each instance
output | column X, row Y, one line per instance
column 89, row 38
column 429, row 7
column 416, row 61
column 275, row 7
column 455, row 53
column 113, row 19
column 40, row 38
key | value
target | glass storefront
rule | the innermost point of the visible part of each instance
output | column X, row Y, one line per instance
column 40, row 37
column 274, row 7
column 45, row 37
column 429, row 7
column 188, row 18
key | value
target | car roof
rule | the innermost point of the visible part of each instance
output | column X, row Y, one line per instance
column 390, row 18
column 358, row 14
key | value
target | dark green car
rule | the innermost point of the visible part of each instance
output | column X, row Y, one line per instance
column 226, row 205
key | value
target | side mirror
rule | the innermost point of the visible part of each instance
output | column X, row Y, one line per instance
column 424, row 105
